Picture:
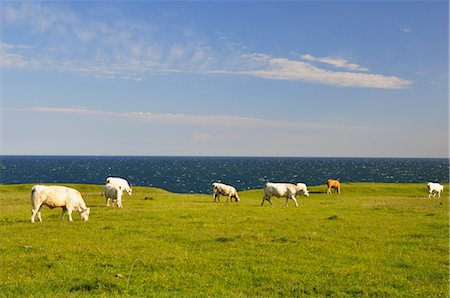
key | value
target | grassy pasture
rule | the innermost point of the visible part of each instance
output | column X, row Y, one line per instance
column 378, row 240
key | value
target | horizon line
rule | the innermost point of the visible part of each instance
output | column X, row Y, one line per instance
column 220, row 156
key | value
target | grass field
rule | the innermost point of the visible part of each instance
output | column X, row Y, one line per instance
column 378, row 240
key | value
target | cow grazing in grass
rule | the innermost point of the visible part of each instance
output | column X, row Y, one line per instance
column 120, row 182
column 331, row 183
column 225, row 190
column 434, row 188
column 287, row 190
column 114, row 193
column 67, row 198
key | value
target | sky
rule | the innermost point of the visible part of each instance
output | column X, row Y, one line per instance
column 252, row 78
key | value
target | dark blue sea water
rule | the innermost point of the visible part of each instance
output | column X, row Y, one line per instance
column 195, row 174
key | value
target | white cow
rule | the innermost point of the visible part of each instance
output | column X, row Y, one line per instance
column 67, row 198
column 287, row 190
column 225, row 190
column 120, row 182
column 434, row 188
column 114, row 193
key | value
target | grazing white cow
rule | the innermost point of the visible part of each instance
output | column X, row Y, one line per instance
column 67, row 198
column 287, row 190
column 434, row 188
column 225, row 190
column 114, row 193
column 120, row 182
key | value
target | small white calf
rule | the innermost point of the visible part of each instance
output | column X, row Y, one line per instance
column 434, row 188
column 114, row 193
column 120, row 182
column 68, row 199
column 225, row 190
column 287, row 190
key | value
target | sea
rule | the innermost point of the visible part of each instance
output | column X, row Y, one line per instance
column 196, row 174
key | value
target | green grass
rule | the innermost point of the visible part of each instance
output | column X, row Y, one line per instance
column 376, row 240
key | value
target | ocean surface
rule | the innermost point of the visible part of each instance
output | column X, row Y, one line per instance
column 195, row 174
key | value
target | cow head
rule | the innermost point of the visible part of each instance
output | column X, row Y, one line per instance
column 85, row 214
column 303, row 189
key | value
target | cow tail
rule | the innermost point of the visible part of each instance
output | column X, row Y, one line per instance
column 33, row 191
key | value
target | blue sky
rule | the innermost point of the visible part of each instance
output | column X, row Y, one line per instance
column 294, row 78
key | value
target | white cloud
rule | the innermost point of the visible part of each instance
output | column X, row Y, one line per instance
column 9, row 60
column 72, row 110
column 406, row 29
column 184, row 134
column 194, row 120
column 336, row 62
column 17, row 56
column 131, row 51
column 285, row 69
column 40, row 18
column 198, row 61
column 176, row 53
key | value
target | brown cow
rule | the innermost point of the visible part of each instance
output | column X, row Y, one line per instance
column 333, row 184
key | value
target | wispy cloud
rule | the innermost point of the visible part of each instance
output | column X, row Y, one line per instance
column 38, row 17
column 193, row 120
column 406, row 28
column 336, row 62
column 257, row 65
column 286, row 69
column 128, row 50
column 17, row 56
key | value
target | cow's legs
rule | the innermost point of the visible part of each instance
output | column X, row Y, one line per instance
column 264, row 199
column 216, row 197
column 267, row 198
column 69, row 213
column 295, row 201
column 34, row 211
column 107, row 202
column 33, row 214
column 63, row 213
